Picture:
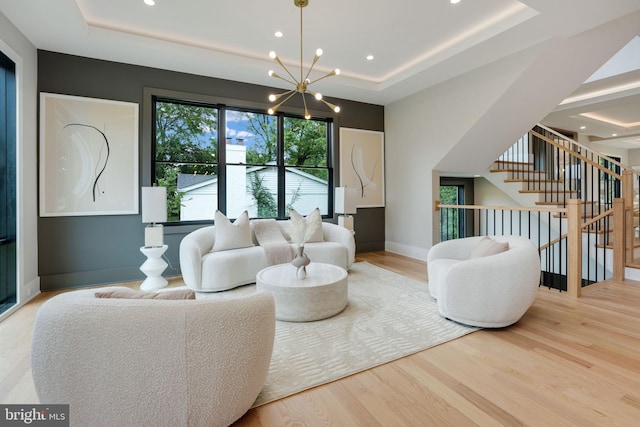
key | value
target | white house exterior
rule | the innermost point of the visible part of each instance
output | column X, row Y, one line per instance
column 200, row 192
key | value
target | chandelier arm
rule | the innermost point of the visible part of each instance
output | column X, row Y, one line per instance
column 277, row 76
column 285, row 68
column 275, row 107
column 335, row 108
column 306, row 111
column 329, row 74
column 315, row 59
column 283, row 94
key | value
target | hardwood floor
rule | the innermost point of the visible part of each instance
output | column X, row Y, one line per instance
column 567, row 362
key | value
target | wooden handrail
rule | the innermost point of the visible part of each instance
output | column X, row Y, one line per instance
column 596, row 218
column 576, row 143
column 584, row 225
column 578, row 155
column 503, row 208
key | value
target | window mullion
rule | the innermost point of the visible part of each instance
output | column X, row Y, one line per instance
column 222, row 158
column 282, row 196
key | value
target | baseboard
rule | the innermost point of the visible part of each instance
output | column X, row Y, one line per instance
column 30, row 290
column 632, row 274
column 406, row 250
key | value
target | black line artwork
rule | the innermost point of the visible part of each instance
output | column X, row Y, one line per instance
column 357, row 163
column 98, row 173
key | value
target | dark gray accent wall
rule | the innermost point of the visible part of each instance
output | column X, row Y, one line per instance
column 92, row 250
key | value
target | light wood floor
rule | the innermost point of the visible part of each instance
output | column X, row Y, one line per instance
column 567, row 362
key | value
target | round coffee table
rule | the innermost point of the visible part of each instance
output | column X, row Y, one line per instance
column 323, row 293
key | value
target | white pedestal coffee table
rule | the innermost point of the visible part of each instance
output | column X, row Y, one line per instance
column 323, row 293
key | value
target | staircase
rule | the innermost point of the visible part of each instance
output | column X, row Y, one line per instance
column 545, row 168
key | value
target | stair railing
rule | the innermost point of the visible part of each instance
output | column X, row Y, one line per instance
column 559, row 168
column 572, row 252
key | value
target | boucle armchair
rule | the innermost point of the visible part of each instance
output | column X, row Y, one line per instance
column 487, row 291
column 127, row 362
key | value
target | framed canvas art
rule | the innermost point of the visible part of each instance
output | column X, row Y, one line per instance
column 88, row 156
column 362, row 165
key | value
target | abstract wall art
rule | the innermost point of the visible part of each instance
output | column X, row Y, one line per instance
column 362, row 165
column 88, row 156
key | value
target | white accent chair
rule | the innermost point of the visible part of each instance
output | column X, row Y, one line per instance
column 127, row 362
column 490, row 291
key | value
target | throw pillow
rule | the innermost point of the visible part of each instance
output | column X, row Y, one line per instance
column 229, row 235
column 306, row 229
column 487, row 246
column 126, row 293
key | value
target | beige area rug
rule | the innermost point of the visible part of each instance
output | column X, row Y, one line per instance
column 389, row 316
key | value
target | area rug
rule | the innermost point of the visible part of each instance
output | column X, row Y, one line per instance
column 389, row 316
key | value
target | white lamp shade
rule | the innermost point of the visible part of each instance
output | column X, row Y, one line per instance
column 345, row 200
column 154, row 204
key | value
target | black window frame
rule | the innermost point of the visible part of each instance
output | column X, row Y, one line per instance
column 224, row 105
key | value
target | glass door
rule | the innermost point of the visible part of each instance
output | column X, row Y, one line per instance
column 8, row 282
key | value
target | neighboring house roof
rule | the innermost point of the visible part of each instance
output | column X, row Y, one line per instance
column 189, row 181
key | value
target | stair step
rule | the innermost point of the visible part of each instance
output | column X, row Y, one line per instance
column 522, row 171
column 549, row 191
column 542, row 181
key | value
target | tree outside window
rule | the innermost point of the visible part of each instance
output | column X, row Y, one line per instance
column 257, row 173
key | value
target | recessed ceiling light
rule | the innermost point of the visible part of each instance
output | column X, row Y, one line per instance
column 455, row 1
column 583, row 127
column 279, row 34
column 370, row 57
column 614, row 134
column 150, row 2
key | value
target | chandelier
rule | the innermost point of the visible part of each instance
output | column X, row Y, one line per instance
column 301, row 85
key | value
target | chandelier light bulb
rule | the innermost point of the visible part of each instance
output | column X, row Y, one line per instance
column 273, row 55
column 272, row 97
column 336, row 109
column 319, row 52
column 271, row 111
column 318, row 96
column 270, row 73
column 337, row 71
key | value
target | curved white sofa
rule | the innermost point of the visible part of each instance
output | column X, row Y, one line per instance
column 490, row 291
column 127, row 362
column 207, row 271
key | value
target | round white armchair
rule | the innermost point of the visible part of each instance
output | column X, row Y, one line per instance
column 487, row 291
column 127, row 362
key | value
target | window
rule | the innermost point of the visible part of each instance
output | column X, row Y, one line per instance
column 214, row 156
column 456, row 223
column 8, row 221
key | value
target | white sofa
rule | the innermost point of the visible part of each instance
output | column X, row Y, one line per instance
column 207, row 271
column 489, row 291
column 129, row 362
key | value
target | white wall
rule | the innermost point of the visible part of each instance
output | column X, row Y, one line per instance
column 24, row 54
column 464, row 124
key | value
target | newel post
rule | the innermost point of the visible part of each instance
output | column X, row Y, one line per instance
column 627, row 195
column 619, row 238
column 574, row 247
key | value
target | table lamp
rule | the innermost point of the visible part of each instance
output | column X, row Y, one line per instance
column 345, row 205
column 154, row 211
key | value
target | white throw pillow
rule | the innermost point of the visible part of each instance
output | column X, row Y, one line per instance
column 487, row 246
column 308, row 229
column 229, row 235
